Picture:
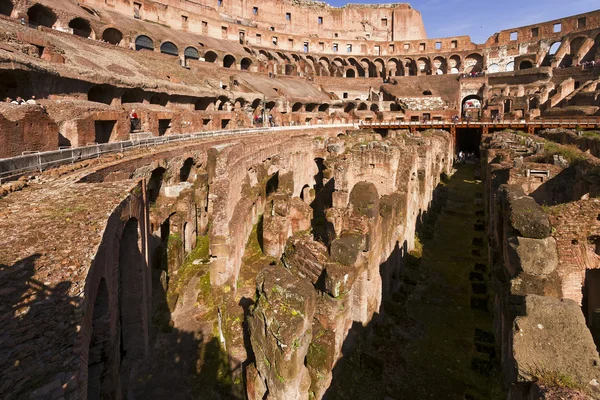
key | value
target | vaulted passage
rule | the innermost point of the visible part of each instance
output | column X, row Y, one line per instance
column 440, row 323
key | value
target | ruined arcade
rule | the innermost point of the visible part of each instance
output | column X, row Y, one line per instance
column 289, row 200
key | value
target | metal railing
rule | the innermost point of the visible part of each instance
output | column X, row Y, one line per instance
column 39, row 161
column 543, row 122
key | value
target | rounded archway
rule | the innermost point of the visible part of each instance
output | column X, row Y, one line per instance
column 245, row 64
column 41, row 15
column 210, row 56
column 132, row 96
column 81, row 27
column 112, row 36
column 229, row 61
column 144, row 42
column 296, row 107
column 169, row 48
column 362, row 107
column 6, row 7
column 374, row 108
column 526, row 64
column 471, row 106
column 350, row 73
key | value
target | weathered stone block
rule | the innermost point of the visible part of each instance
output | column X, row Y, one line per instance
column 533, row 256
column 347, row 248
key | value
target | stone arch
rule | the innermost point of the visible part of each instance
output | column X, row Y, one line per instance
column 239, row 103
column 455, row 63
column 358, row 67
column 132, row 96
column 554, row 48
column 101, row 94
column 369, row 67
column 410, row 67
column 41, row 15
column 99, row 349
column 186, row 169
column 204, row 103
column 245, row 64
column 525, row 64
column 283, row 56
column 533, row 103
column 190, row 53
column 493, row 68
column 440, row 65
column 160, row 99
column 210, row 56
column 374, row 107
column 154, row 184
column 81, row 27
column 222, row 103
column 474, row 63
column 310, row 107
column 362, row 107
column 350, row 73
column 112, row 36
column 424, row 66
column 395, row 67
column 6, row 7
column 323, row 107
column 143, row 42
column 510, row 66
column 349, row 107
column 229, row 61
column 380, row 67
column 255, row 103
column 296, row 107
column 169, row 48
column 471, row 102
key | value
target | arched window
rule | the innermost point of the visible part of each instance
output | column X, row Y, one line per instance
column 101, row 94
column 493, row 68
column 350, row 73
column 81, row 27
column 525, row 65
column 40, row 15
column 6, row 7
column 169, row 48
column 245, row 64
column 190, row 53
column 143, row 42
column 228, row 61
column 510, row 66
column 112, row 36
column 210, row 56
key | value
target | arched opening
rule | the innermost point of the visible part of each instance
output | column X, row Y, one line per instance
column 350, row 73
column 349, row 107
column 222, row 103
column 169, row 48
column 229, row 61
column 99, row 350
column 143, row 42
column 204, row 103
column 131, row 296
column 440, row 65
column 534, row 103
column 296, row 107
column 525, row 65
column 101, row 94
column 554, row 48
column 255, row 104
column 245, row 64
column 40, row 15
column 132, row 96
column 186, row 169
column 395, row 67
column 272, row 184
column 6, row 7
column 471, row 107
column 493, row 68
column 310, row 107
column 190, row 53
column 410, row 67
column 323, row 107
column 210, row 56
column 454, row 63
column 424, row 66
column 362, row 107
column 159, row 98
column 510, row 66
column 81, row 27
column 374, row 108
column 507, row 106
column 112, row 36
column 154, row 184
column 473, row 63
column 379, row 68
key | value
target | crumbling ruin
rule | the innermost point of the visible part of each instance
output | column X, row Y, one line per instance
column 268, row 201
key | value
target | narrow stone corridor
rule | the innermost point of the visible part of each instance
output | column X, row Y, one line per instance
column 436, row 339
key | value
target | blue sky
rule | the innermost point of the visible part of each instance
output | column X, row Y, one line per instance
column 482, row 18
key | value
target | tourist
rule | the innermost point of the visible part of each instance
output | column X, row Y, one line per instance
column 134, row 120
column 8, row 100
column 31, row 101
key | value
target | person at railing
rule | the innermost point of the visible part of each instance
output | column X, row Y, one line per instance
column 134, row 120
column 31, row 101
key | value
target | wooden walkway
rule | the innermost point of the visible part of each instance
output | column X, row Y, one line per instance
column 529, row 126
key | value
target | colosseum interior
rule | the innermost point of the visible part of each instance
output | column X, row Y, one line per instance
column 286, row 200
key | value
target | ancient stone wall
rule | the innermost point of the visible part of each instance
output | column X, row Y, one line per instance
column 536, row 306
